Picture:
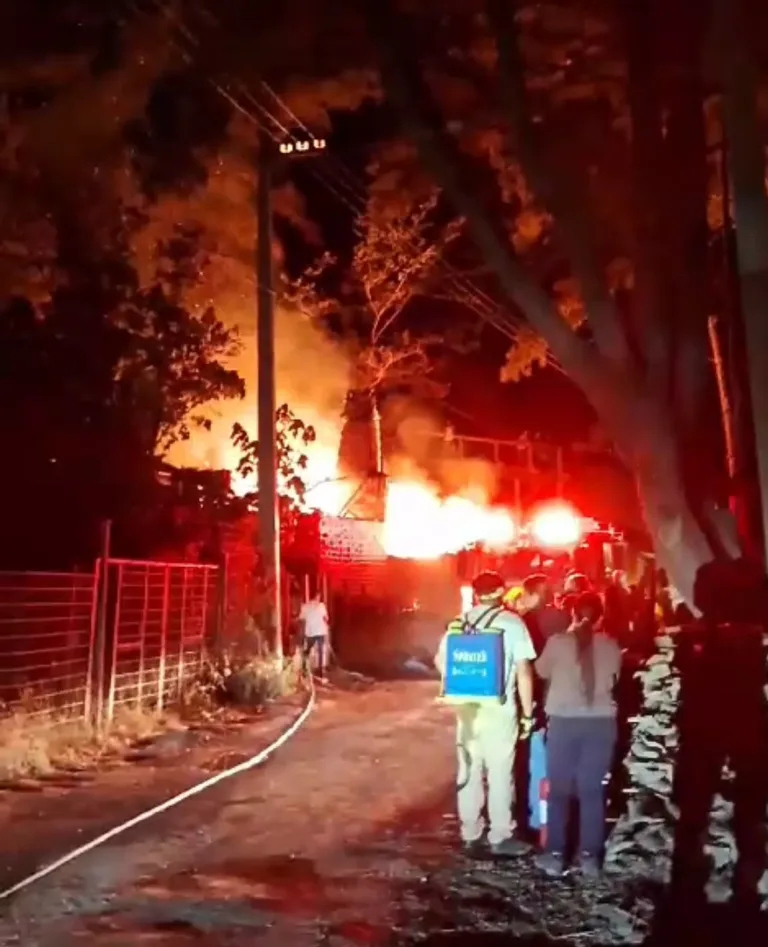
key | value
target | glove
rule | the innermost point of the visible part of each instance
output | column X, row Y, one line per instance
column 526, row 727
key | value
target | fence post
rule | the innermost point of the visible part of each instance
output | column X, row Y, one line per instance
column 90, row 673
column 222, row 603
column 143, row 636
column 205, row 617
column 115, row 642
column 182, row 623
column 100, row 637
column 163, row 638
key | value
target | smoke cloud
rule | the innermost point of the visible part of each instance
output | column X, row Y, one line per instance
column 312, row 373
column 422, row 448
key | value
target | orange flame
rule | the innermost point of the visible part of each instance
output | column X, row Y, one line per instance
column 418, row 524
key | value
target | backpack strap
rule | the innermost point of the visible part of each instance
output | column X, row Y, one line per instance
column 497, row 610
column 488, row 617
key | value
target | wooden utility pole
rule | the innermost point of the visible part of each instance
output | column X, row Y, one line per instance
column 300, row 145
column 269, row 521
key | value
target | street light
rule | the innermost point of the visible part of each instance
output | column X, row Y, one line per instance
column 296, row 146
column 302, row 146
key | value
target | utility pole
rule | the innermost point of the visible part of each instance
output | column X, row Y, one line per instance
column 269, row 521
column 269, row 515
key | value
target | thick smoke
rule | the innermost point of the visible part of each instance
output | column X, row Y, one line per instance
column 312, row 378
column 421, row 447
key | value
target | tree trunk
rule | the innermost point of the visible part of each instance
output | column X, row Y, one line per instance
column 746, row 167
column 679, row 543
column 635, row 416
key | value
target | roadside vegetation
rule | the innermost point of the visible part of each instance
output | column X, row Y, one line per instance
column 37, row 741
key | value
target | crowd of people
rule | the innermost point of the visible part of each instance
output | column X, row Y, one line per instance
column 563, row 646
column 562, row 655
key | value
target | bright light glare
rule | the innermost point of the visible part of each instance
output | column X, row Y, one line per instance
column 420, row 525
column 557, row 526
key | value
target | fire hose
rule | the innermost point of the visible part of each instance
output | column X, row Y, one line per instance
column 251, row 763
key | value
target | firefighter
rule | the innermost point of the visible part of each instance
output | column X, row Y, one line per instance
column 485, row 661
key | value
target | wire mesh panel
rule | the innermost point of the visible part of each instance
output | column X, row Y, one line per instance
column 161, row 616
column 46, row 629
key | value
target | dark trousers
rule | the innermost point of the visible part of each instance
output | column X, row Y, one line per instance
column 579, row 754
column 317, row 643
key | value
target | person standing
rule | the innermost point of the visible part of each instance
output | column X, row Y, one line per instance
column 618, row 608
column 314, row 617
column 539, row 612
column 581, row 667
column 488, row 727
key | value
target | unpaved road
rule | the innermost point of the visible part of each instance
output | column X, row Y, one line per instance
column 346, row 837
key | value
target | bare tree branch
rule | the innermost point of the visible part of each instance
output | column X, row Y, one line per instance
column 395, row 261
column 407, row 90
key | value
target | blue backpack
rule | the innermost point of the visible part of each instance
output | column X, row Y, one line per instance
column 474, row 661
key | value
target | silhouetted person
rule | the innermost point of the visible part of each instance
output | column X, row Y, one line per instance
column 539, row 612
column 722, row 720
column 618, row 608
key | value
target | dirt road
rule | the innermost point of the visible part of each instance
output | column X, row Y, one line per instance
column 346, row 837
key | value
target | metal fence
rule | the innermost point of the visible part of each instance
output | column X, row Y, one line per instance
column 80, row 645
column 156, row 635
column 47, row 621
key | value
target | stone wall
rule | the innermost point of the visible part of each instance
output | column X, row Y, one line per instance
column 641, row 843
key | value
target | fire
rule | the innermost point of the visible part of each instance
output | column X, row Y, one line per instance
column 418, row 524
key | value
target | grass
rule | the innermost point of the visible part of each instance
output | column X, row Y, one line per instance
column 37, row 741
column 236, row 676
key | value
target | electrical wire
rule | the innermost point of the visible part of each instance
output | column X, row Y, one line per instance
column 482, row 304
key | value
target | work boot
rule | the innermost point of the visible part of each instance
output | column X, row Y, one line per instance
column 474, row 848
column 511, row 848
column 551, row 863
column 589, row 866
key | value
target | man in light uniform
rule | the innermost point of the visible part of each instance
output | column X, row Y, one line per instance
column 487, row 733
column 314, row 616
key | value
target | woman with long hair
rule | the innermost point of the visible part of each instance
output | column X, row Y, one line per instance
column 580, row 667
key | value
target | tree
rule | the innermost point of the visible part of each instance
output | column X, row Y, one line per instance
column 642, row 371
column 292, row 436
column 106, row 366
column 745, row 152
column 393, row 267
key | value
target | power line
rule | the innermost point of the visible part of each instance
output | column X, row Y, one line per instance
column 483, row 305
column 475, row 298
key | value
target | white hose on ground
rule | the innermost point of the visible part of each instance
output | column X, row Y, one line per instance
column 195, row 790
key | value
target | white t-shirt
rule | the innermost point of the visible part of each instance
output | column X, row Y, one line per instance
column 315, row 617
column 517, row 646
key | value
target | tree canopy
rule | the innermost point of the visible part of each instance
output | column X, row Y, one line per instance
column 556, row 170
column 582, row 149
